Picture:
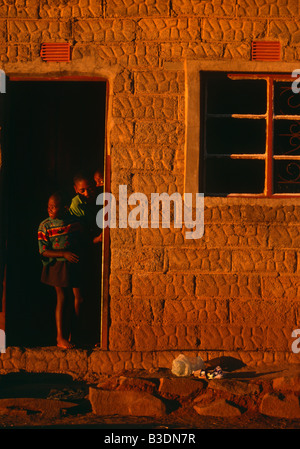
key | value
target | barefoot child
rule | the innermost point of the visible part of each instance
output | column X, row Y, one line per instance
column 60, row 240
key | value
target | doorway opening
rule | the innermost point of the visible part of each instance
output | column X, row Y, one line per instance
column 56, row 128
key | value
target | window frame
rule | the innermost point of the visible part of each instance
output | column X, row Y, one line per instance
column 195, row 118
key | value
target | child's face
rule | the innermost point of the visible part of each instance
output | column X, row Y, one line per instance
column 54, row 208
column 98, row 177
column 84, row 189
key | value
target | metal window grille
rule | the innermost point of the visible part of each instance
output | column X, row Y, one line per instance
column 280, row 153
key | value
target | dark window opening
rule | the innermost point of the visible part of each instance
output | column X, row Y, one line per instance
column 250, row 135
column 56, row 128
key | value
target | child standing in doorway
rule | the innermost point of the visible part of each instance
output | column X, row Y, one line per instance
column 60, row 239
column 83, row 205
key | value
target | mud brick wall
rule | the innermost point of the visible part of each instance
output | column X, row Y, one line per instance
column 236, row 289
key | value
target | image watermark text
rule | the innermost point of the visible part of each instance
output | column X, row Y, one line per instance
column 187, row 211
column 2, row 342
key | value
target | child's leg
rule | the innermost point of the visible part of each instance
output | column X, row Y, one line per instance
column 78, row 300
column 59, row 316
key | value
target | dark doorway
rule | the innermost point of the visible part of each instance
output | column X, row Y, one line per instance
column 55, row 129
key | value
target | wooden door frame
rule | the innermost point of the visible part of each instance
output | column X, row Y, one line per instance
column 104, row 306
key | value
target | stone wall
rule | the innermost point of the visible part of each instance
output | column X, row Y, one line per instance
column 236, row 289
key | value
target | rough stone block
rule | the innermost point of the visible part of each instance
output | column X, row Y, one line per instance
column 19, row 53
column 160, row 236
column 73, row 362
column 233, row 337
column 145, row 107
column 3, row 31
column 287, row 383
column 291, row 53
column 123, row 82
column 125, row 403
column 232, row 235
column 221, row 408
column 191, row 50
column 279, row 286
column 180, row 387
column 154, row 183
column 145, row 259
column 265, row 260
column 280, row 406
column 228, row 286
column 195, row 311
column 288, row 31
column 20, row 8
column 135, row 8
column 13, row 359
column 203, row 7
column 146, row 385
column 187, row 336
column 68, row 9
column 163, row 285
column 237, row 51
column 159, row 82
column 120, row 284
column 258, row 312
column 121, row 132
column 235, row 387
column 214, row 29
column 167, row 337
column 105, row 30
column 123, row 237
column 132, row 54
column 38, row 31
column 279, row 338
column 120, row 337
column 136, row 310
column 109, row 362
column 144, row 157
column 164, row 29
column 284, row 236
column 268, row 8
column 202, row 259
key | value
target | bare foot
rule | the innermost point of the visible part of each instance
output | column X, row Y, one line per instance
column 64, row 344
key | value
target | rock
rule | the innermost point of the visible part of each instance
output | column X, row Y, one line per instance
column 280, row 406
column 125, row 403
column 137, row 384
column 180, row 387
column 127, row 383
column 234, row 387
column 219, row 407
column 287, row 383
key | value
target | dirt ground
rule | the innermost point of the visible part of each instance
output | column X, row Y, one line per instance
column 60, row 390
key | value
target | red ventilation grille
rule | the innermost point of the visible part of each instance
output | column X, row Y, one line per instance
column 55, row 52
column 266, row 51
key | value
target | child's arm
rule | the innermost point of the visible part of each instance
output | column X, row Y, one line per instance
column 71, row 257
column 46, row 250
column 98, row 239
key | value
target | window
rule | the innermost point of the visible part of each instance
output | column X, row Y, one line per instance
column 251, row 135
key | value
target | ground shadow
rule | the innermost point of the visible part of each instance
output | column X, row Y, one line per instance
column 231, row 364
column 227, row 363
column 43, row 386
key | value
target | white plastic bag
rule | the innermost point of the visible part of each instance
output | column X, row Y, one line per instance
column 185, row 366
